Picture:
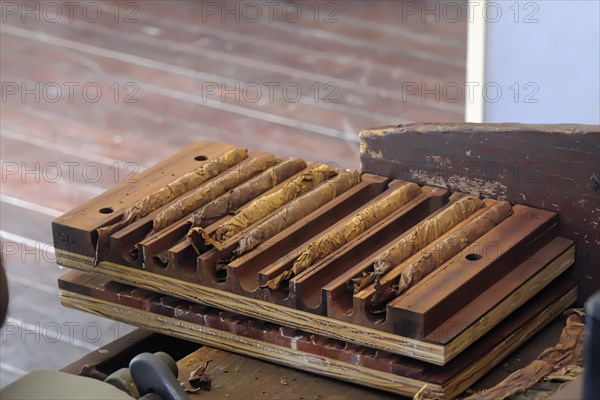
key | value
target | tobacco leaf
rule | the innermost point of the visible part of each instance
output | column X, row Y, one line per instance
column 452, row 245
column 297, row 209
column 204, row 194
column 248, row 191
column 239, row 196
column 568, row 373
column 442, row 251
column 335, row 238
column 199, row 379
column 265, row 205
column 169, row 192
column 567, row 354
column 419, row 237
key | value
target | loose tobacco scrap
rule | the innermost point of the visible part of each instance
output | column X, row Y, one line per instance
column 419, row 237
column 568, row 354
column 352, row 228
column 169, row 192
column 199, row 379
column 213, row 189
column 265, row 205
column 239, row 196
column 298, row 208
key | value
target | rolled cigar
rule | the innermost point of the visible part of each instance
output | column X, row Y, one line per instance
column 213, row 189
column 265, row 205
column 352, row 228
column 441, row 252
column 169, row 192
column 239, row 196
column 298, row 208
column 419, row 237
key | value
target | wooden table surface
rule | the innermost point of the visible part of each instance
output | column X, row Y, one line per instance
column 236, row 377
column 153, row 61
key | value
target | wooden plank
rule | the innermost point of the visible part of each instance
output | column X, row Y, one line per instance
column 526, row 164
column 446, row 382
column 75, row 230
column 245, row 346
column 260, row 309
column 429, row 351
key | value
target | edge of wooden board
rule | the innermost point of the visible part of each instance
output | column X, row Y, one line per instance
column 517, row 299
column 246, row 346
column 275, row 313
column 421, row 350
column 477, row 370
column 318, row 364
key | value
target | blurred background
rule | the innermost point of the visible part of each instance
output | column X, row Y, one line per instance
column 94, row 92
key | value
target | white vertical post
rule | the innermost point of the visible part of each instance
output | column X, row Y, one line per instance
column 474, row 107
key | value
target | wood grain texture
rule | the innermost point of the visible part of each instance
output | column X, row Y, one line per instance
column 233, row 374
column 445, row 382
column 552, row 167
column 75, row 230
column 260, row 309
column 431, row 350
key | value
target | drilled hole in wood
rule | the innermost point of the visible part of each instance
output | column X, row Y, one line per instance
column 201, row 158
column 473, row 257
column 106, row 210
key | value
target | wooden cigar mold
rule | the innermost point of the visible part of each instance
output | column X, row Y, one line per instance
column 450, row 304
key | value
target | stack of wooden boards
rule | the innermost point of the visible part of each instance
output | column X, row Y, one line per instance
column 368, row 279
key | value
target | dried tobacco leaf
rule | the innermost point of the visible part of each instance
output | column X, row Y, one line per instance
column 199, row 379
column 265, row 205
column 169, row 192
column 204, row 194
column 419, row 237
column 239, row 196
column 442, row 251
column 452, row 245
column 568, row 354
column 347, row 231
column 297, row 209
